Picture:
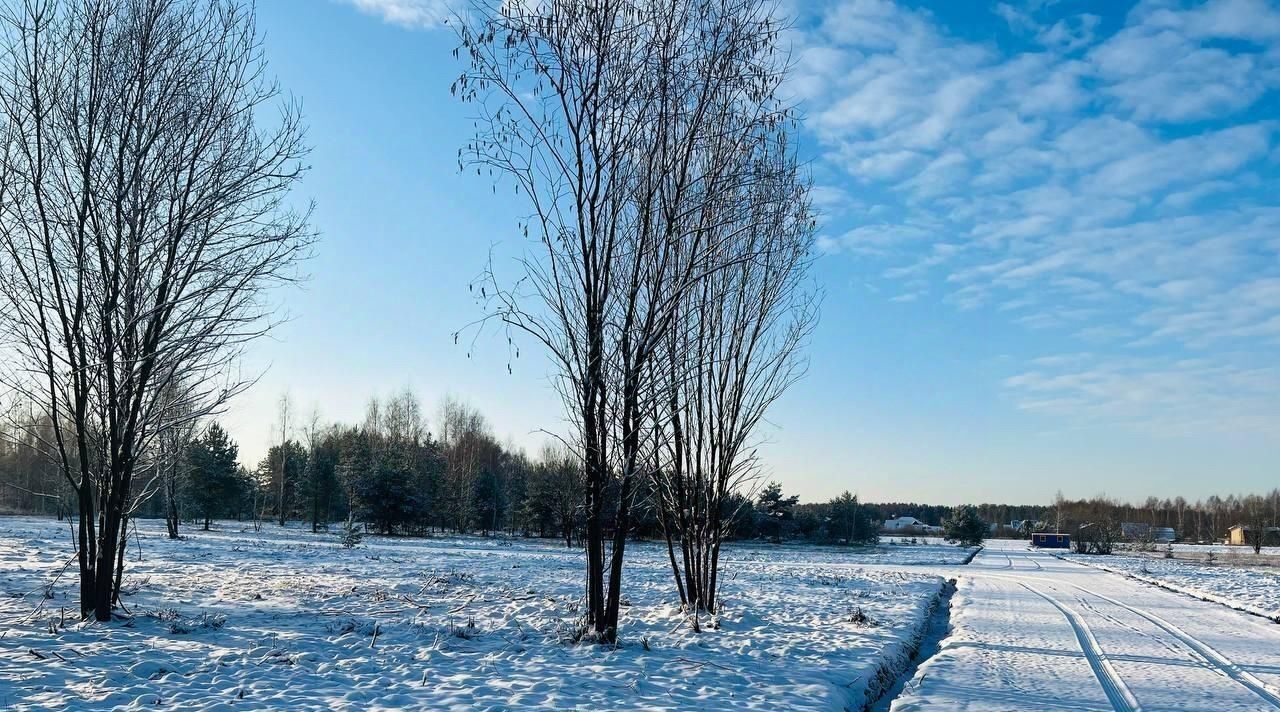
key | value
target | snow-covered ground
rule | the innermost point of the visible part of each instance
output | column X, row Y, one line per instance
column 233, row 619
column 1256, row 590
column 892, row 551
column 1031, row 631
column 1227, row 549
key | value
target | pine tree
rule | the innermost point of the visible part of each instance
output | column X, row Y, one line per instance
column 964, row 526
column 213, row 485
column 351, row 535
column 849, row 522
column 775, row 509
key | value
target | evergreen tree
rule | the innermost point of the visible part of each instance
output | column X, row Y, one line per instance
column 849, row 522
column 291, row 467
column 319, row 487
column 775, row 509
column 392, row 484
column 964, row 526
column 552, row 498
column 213, row 486
column 490, row 500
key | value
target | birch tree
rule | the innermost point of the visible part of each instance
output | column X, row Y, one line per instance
column 143, row 183
column 284, row 488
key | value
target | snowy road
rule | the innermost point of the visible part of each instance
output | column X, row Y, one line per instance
column 1030, row 631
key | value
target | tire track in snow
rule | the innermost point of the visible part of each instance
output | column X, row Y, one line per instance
column 1112, row 685
column 1208, row 653
column 1215, row 659
column 1161, row 640
column 1027, row 560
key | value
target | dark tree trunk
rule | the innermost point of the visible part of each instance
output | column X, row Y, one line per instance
column 596, row 471
column 104, row 568
column 120, row 552
column 609, row 634
column 171, row 497
column 671, row 556
column 86, row 554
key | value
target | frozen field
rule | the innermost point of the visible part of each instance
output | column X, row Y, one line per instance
column 231, row 619
column 1256, row 590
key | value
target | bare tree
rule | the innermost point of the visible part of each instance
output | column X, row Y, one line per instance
column 142, row 220
column 403, row 419
column 314, row 432
column 557, row 488
column 732, row 351
column 612, row 117
column 1257, row 520
column 172, row 461
column 284, row 411
column 464, row 436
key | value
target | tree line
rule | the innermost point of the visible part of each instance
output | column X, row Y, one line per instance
column 390, row 474
column 1095, row 523
column 393, row 474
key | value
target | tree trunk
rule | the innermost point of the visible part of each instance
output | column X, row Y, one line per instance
column 595, row 560
column 171, row 513
column 118, row 579
column 609, row 634
column 86, row 554
column 675, row 567
column 105, row 567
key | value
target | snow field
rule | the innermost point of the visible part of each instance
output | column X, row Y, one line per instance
column 233, row 620
column 1254, row 590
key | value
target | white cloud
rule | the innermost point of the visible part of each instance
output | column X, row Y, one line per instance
column 1117, row 187
column 1161, row 396
column 1255, row 20
column 1183, row 161
column 413, row 14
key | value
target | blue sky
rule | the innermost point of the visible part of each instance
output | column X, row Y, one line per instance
column 1050, row 246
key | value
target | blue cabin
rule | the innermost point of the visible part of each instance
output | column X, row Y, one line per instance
column 1045, row 540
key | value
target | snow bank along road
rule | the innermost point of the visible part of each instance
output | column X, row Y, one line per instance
column 1030, row 631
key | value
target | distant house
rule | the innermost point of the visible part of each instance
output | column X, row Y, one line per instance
column 1242, row 535
column 908, row 525
column 900, row 524
column 1136, row 531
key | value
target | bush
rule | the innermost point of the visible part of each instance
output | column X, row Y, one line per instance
column 350, row 536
